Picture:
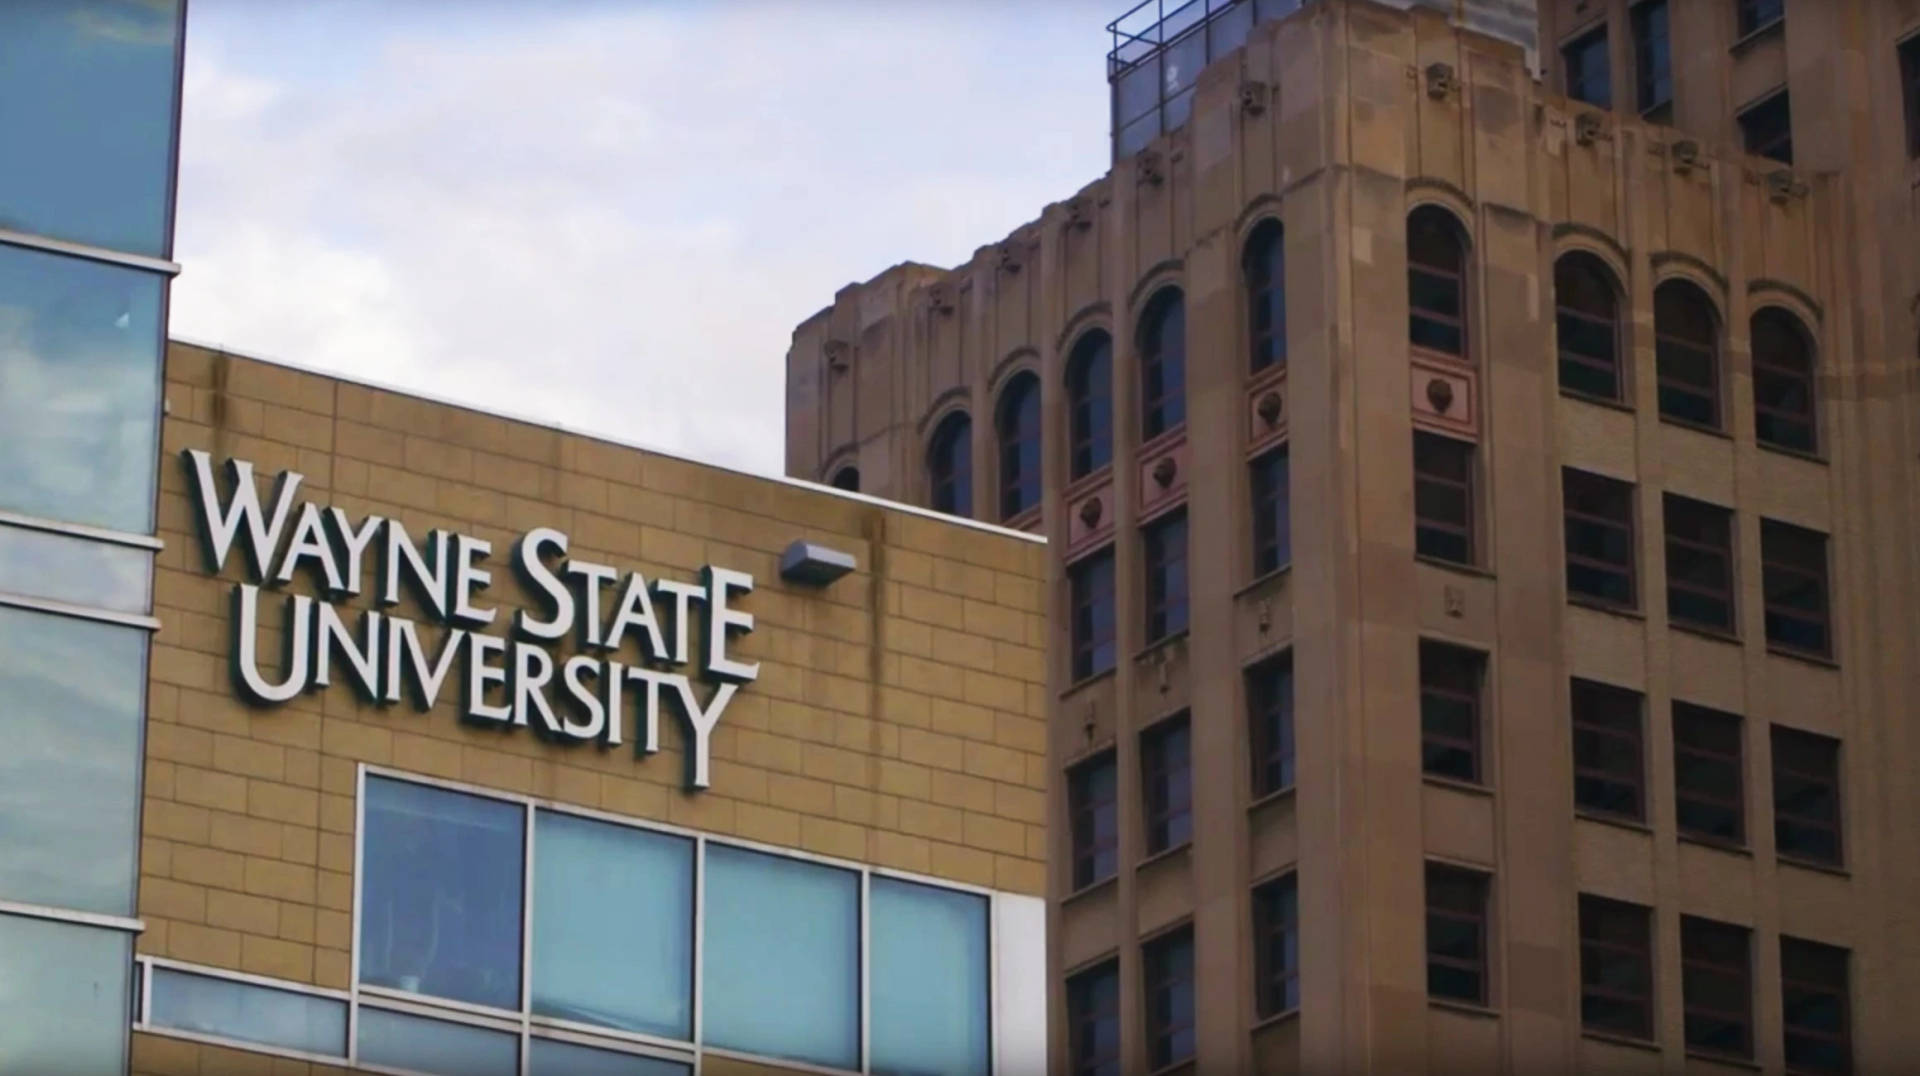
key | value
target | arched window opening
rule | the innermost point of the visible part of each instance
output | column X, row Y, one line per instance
column 1264, row 267
column 1686, row 340
column 1436, row 282
column 1163, row 364
column 847, row 478
column 1783, row 414
column 1090, row 404
column 1587, row 317
column 950, row 465
column 1018, row 425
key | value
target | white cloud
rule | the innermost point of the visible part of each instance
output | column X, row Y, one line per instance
column 610, row 219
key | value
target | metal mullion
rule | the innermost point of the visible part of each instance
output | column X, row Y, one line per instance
column 866, row 971
column 699, row 928
column 526, row 938
column 359, row 875
column 124, row 924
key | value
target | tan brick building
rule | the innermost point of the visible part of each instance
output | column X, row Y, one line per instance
column 871, row 836
column 1521, row 456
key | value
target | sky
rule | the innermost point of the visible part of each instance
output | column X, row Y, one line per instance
column 607, row 216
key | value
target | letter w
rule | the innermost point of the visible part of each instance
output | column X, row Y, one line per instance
column 220, row 524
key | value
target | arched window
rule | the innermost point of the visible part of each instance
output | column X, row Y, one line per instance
column 1686, row 340
column 1436, row 282
column 1264, row 266
column 1090, row 404
column 847, row 478
column 1587, row 316
column 1163, row 364
column 1782, row 381
column 950, row 465
column 1018, row 425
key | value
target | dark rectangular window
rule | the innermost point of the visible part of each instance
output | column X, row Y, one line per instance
column 1599, row 536
column 1272, row 506
column 1910, row 91
column 1166, row 560
column 1270, row 724
column 1443, row 507
column 1616, row 967
column 1450, row 711
column 1716, row 984
column 1093, row 1021
column 1456, row 934
column 1758, row 14
column 1169, row 968
column 1608, row 758
column 1709, row 789
column 1793, row 568
column 1276, row 939
column 1589, row 76
column 1767, row 129
column 1166, row 772
column 1652, row 58
column 1091, row 583
column 1094, row 820
column 1699, row 563
column 1806, row 796
column 1814, row 1007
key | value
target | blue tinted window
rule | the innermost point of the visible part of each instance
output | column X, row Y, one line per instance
column 547, row 1057
column 435, row 1046
column 64, row 996
column 79, row 384
column 612, row 926
column 929, row 979
column 782, row 958
column 78, row 571
column 70, row 705
column 440, row 894
column 87, row 91
column 249, row 1012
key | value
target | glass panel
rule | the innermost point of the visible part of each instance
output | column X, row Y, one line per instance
column 71, row 696
column 441, row 894
column 87, row 95
column 414, row 1042
column 782, row 958
column 1181, row 63
column 548, row 1057
column 1135, row 136
column 594, row 959
column 64, row 989
column 929, row 979
column 1229, row 28
column 78, row 571
column 1139, row 91
column 79, row 386
column 249, row 1012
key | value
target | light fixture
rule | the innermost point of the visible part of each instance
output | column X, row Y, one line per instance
column 813, row 564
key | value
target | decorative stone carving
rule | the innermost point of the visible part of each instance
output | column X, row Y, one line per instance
column 1686, row 155
column 940, row 298
column 1152, row 170
column 1253, row 97
column 1010, row 257
column 1440, row 394
column 1586, row 128
column 1269, row 408
column 1090, row 512
column 1456, row 600
column 1441, row 81
column 1079, row 214
column 839, row 355
column 1783, row 186
column 1263, row 615
column 1164, row 470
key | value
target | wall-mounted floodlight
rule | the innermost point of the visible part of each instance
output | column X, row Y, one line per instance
column 813, row 564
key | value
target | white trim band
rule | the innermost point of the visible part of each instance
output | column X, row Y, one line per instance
column 81, row 530
column 91, row 253
column 68, row 915
column 41, row 605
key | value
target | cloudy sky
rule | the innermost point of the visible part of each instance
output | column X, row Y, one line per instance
column 607, row 214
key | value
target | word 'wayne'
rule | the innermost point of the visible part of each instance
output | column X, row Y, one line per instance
column 505, row 682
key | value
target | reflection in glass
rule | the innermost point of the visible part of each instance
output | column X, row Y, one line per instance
column 612, row 926
column 929, row 979
column 78, row 571
column 64, row 991
column 87, row 93
column 441, row 894
column 548, row 1057
column 70, row 705
column 782, row 958
column 435, row 1046
column 79, row 382
column 249, row 1012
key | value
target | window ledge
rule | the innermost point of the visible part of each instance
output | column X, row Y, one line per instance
column 1264, row 578
column 1472, row 788
column 1724, row 1059
column 1455, row 566
column 1597, row 401
column 1704, row 631
column 1683, row 424
column 1164, row 854
column 1165, row 438
column 1085, row 682
column 1838, row 870
column 1808, row 656
column 1185, row 1064
column 1089, row 889
column 1618, row 1039
column 1275, row 796
column 1791, row 453
column 1284, row 1015
column 1086, row 483
column 1758, row 33
column 1618, row 821
column 1611, row 609
column 1465, row 1008
column 1711, row 844
column 1163, row 642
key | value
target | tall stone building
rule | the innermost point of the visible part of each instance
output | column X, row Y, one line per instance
column 1479, row 483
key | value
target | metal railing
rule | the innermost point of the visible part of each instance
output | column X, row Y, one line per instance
column 1159, row 49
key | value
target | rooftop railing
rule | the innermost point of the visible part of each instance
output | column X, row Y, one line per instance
column 1159, row 50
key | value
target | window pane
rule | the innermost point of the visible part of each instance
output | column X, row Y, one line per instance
column 549, row 1057
column 79, row 385
column 248, row 1012
column 782, row 959
column 594, row 959
column 78, row 571
column 71, row 698
column 413, row 1042
column 65, row 990
column 929, row 979
column 441, row 894
column 86, row 113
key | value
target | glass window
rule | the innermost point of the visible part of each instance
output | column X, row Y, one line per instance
column 1768, row 128
column 1095, row 826
column 1436, row 282
column 1589, row 76
column 1716, row 983
column 397, row 1040
column 1264, row 267
column 1710, row 801
column 594, row 960
column 782, row 958
column 1759, row 14
column 1019, row 430
column 1806, row 796
column 1607, row 756
column 1091, row 583
column 1090, row 404
column 79, row 382
column 1272, row 508
column 1443, row 509
column 65, row 990
column 1276, row 939
column 1616, row 967
column 1783, row 394
column 440, row 897
column 87, row 97
column 1166, row 563
column 1814, row 1000
column 1093, row 1021
column 950, row 466
column 1169, row 989
column 1270, row 723
column 1450, row 711
column 78, row 571
column 1167, row 774
column 1910, row 91
column 1793, row 563
column 1163, row 364
column 929, row 992
column 248, row 1012
column 1456, row 934
column 71, row 697
column 1699, row 563
column 550, row 1057
column 1652, row 57
column 1586, row 319
column 1686, row 336
column 1599, row 539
